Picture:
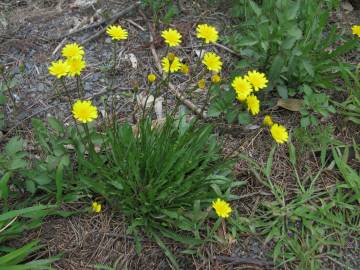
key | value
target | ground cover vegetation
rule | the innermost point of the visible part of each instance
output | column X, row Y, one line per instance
column 165, row 169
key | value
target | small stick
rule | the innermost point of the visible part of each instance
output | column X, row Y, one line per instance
column 8, row 225
column 227, row 49
column 136, row 24
column 111, row 21
column 238, row 260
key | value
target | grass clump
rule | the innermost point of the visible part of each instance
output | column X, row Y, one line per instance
column 161, row 178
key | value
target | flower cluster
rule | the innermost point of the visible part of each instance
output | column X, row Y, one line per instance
column 172, row 63
column 245, row 86
column 278, row 132
column 73, row 63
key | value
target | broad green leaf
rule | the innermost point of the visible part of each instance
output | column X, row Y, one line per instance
column 282, row 91
column 276, row 67
column 244, row 118
column 14, row 146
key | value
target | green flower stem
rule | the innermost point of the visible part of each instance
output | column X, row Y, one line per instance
column 167, row 50
column 62, row 80
column 78, row 86
column 207, row 98
column 8, row 88
column 90, row 144
column 202, row 46
column 67, row 94
column 165, row 81
column 113, row 71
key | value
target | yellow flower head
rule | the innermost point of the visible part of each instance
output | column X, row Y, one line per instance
column 268, row 121
column 212, row 61
column 84, row 111
column 172, row 37
column 171, row 67
column 76, row 65
column 201, row 84
column 73, row 50
column 151, row 77
column 356, row 30
column 59, row 68
column 96, row 207
column 116, row 32
column 279, row 133
column 257, row 79
column 253, row 104
column 207, row 32
column 185, row 69
column 242, row 88
column 215, row 78
column 222, row 208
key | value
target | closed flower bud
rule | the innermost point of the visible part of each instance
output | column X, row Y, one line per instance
column 202, row 84
column 171, row 57
column 185, row 69
column 215, row 78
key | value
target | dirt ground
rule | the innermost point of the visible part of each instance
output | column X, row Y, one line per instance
column 32, row 33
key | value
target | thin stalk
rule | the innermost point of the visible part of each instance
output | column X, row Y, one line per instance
column 90, row 144
column 78, row 87
column 8, row 88
column 112, row 107
column 66, row 91
column 69, row 101
column 207, row 98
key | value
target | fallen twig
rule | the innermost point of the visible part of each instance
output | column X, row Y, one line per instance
column 227, row 49
column 111, row 21
column 238, row 260
column 173, row 89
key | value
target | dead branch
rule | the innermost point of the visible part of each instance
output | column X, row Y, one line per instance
column 239, row 260
column 111, row 21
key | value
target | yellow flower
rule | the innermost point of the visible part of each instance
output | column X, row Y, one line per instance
column 201, row 84
column 151, row 77
column 253, row 104
column 73, row 50
column 84, row 111
column 242, row 88
column 268, row 121
column 59, row 69
column 172, row 37
column 215, row 78
column 212, row 61
column 356, row 30
column 279, row 133
column 96, row 207
column 185, row 69
column 76, row 65
column 171, row 67
column 222, row 208
column 116, row 32
column 257, row 79
column 207, row 32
